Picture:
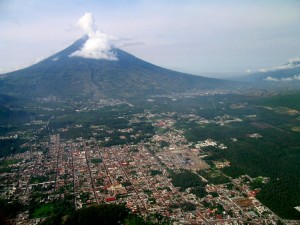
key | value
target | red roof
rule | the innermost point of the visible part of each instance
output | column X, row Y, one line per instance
column 110, row 199
column 161, row 124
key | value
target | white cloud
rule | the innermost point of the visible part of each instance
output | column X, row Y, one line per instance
column 126, row 44
column 287, row 79
column 295, row 77
column 292, row 63
column 98, row 45
column 294, row 60
column 271, row 79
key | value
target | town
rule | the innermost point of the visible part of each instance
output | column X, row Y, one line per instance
column 86, row 172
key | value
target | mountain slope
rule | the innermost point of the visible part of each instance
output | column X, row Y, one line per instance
column 65, row 76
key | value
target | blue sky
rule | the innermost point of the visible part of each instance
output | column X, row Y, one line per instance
column 201, row 37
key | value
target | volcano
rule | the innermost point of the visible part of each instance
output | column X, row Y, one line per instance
column 64, row 76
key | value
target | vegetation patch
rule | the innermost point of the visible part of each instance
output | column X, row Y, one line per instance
column 98, row 160
column 11, row 146
column 214, row 176
column 101, row 214
column 9, row 162
column 43, row 210
column 187, row 206
column 200, row 192
column 155, row 172
column 258, row 182
column 185, row 179
column 38, row 179
column 60, row 207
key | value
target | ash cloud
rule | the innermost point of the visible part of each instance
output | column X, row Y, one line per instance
column 98, row 45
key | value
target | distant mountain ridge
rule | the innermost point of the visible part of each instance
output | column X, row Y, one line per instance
column 287, row 72
column 65, row 76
